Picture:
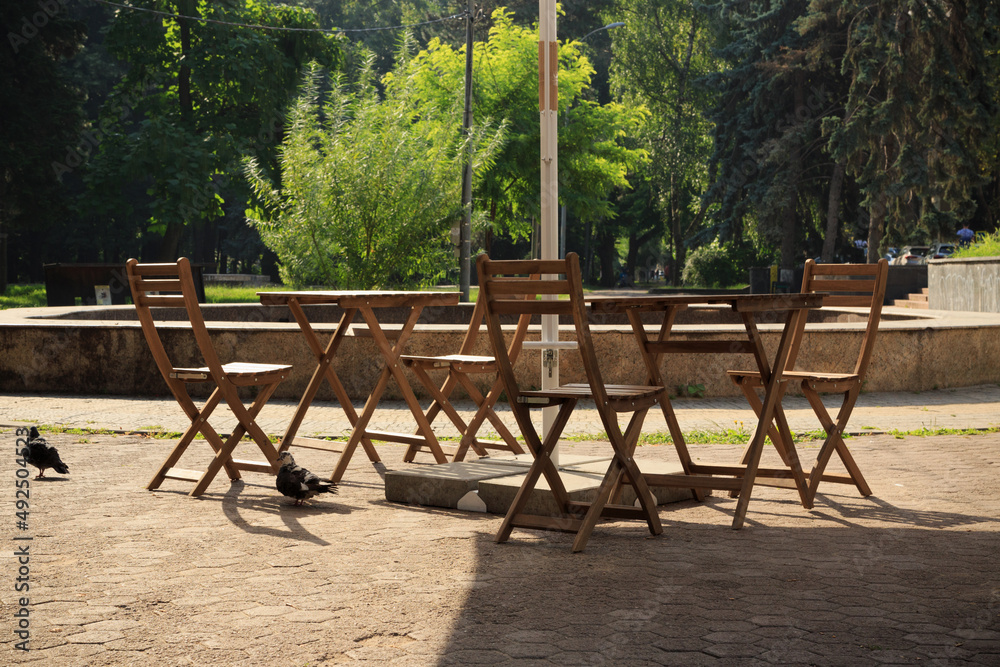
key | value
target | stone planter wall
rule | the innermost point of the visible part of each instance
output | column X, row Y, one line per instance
column 969, row 284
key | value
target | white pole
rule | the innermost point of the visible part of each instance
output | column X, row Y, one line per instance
column 548, row 106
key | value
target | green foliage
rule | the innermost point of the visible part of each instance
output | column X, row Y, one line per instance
column 918, row 128
column 662, row 56
column 196, row 99
column 691, row 390
column 40, row 114
column 988, row 246
column 370, row 185
column 593, row 158
column 712, row 266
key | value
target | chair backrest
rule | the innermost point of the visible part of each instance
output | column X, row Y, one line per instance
column 171, row 286
column 853, row 285
column 479, row 318
column 502, row 281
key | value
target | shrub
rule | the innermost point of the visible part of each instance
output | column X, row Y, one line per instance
column 712, row 266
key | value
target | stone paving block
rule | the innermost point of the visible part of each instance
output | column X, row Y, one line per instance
column 391, row 584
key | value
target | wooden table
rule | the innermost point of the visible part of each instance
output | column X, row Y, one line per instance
column 366, row 302
column 735, row 478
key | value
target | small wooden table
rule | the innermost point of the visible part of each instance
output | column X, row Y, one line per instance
column 735, row 478
column 366, row 302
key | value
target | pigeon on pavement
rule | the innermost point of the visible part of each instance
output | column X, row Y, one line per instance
column 296, row 482
column 42, row 455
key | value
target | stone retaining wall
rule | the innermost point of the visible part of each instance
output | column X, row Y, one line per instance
column 969, row 284
column 39, row 353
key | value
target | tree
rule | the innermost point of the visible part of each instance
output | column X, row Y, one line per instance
column 922, row 108
column 198, row 96
column 370, row 185
column 662, row 54
column 40, row 115
column 593, row 159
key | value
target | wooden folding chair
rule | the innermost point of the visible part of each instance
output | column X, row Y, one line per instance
column 497, row 280
column 460, row 367
column 171, row 285
column 852, row 285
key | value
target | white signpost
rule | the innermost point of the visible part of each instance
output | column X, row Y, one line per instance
column 548, row 107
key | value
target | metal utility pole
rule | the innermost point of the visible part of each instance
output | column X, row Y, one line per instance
column 465, row 230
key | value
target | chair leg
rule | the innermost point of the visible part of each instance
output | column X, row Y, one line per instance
column 622, row 463
column 485, row 411
column 439, row 404
column 199, row 424
column 835, row 441
column 543, row 465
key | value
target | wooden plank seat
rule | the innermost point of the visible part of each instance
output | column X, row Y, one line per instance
column 172, row 285
column 851, row 285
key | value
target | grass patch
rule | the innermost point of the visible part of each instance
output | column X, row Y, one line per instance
column 924, row 432
column 23, row 296
column 725, row 436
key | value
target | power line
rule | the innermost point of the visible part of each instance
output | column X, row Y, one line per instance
column 201, row 19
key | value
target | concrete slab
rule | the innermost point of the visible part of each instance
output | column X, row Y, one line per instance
column 581, row 483
column 441, row 485
column 446, row 485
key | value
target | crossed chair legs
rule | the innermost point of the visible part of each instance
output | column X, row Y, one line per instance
column 441, row 403
column 223, row 449
column 575, row 516
column 807, row 483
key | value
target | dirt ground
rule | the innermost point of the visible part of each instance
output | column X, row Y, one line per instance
column 120, row 575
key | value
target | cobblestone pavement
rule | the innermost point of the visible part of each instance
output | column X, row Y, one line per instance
column 119, row 575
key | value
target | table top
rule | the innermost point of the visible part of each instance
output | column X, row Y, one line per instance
column 361, row 298
column 738, row 302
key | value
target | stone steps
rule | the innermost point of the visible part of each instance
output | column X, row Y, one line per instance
column 915, row 300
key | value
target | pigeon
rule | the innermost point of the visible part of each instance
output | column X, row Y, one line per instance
column 42, row 455
column 296, row 482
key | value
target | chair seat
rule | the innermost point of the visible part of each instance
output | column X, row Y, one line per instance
column 241, row 374
column 810, row 376
column 464, row 363
column 623, row 396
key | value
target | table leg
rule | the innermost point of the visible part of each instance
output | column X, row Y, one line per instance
column 652, row 361
column 324, row 369
column 391, row 354
column 772, row 394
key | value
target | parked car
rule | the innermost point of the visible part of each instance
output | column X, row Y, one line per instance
column 911, row 254
column 938, row 251
column 890, row 254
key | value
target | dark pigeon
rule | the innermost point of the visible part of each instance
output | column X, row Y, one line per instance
column 296, row 482
column 42, row 455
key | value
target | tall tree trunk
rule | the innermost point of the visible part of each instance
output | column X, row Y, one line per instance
column 676, row 234
column 876, row 228
column 606, row 254
column 172, row 237
column 184, row 73
column 833, row 213
column 789, row 217
column 171, row 243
